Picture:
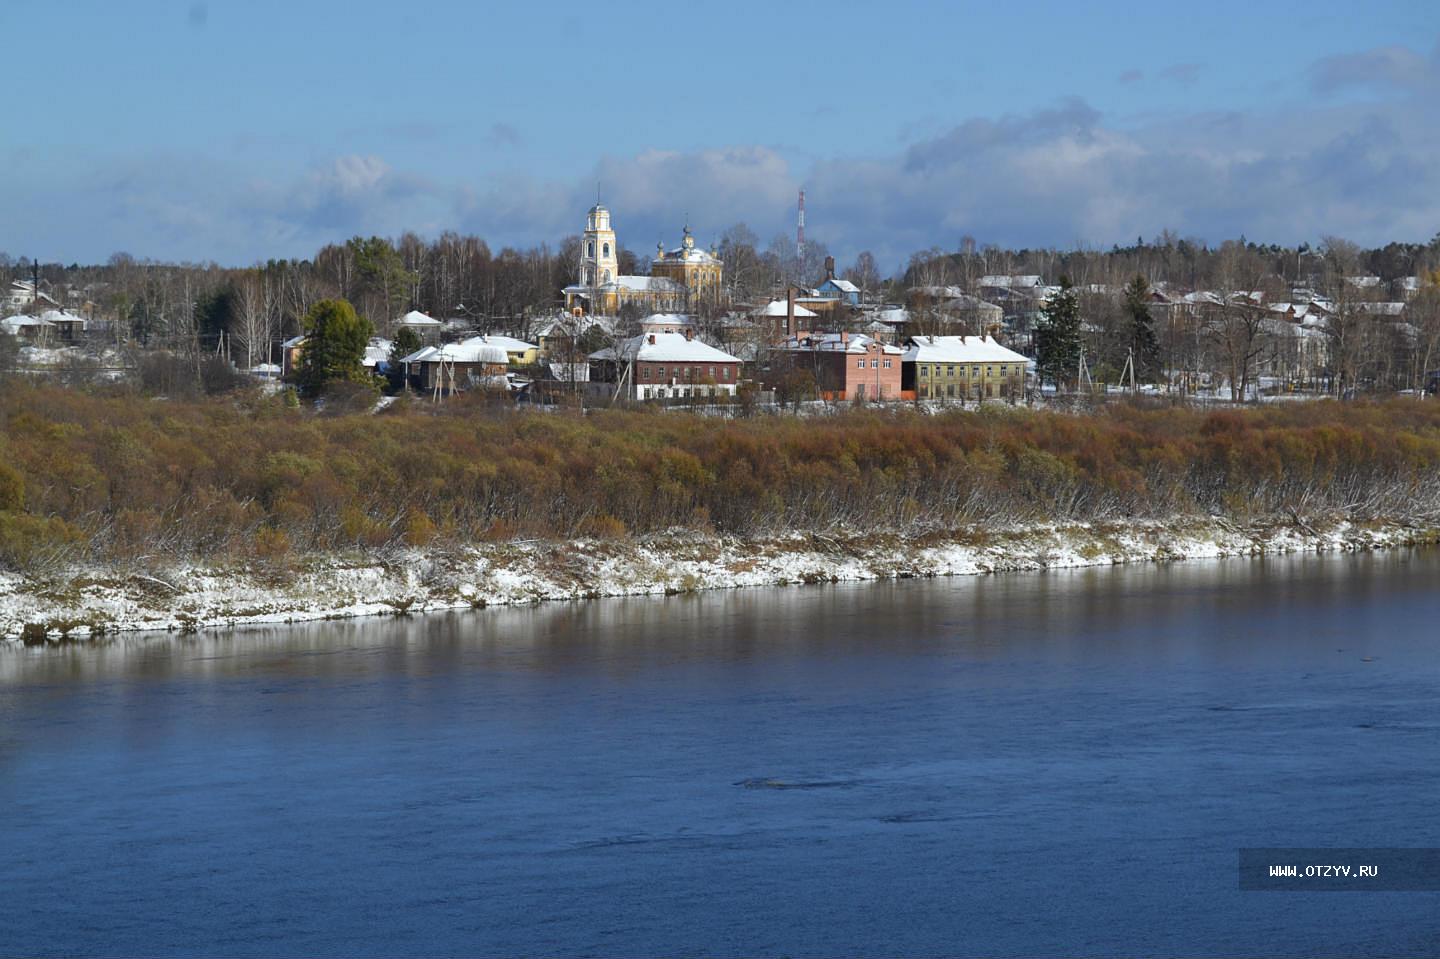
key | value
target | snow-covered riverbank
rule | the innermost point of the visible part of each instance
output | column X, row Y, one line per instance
column 96, row 601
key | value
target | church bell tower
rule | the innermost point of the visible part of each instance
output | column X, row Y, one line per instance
column 599, row 255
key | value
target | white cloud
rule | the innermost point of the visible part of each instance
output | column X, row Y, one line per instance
column 1052, row 177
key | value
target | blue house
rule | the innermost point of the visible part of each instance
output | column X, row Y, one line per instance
column 833, row 289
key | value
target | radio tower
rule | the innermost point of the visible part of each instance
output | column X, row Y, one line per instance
column 800, row 231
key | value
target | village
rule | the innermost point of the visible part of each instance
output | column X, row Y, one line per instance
column 681, row 334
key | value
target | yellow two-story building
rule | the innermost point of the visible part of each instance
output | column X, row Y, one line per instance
column 960, row 368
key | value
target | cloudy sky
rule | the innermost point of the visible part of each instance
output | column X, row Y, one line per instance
column 235, row 131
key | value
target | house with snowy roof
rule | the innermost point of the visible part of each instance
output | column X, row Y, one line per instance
column 845, row 366
column 22, row 297
column 517, row 352
column 563, row 335
column 454, row 367
column 30, row 328
column 835, row 288
column 666, row 366
column 421, row 323
column 785, row 317
column 963, row 367
column 838, row 289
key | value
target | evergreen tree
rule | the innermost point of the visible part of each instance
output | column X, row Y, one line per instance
column 384, row 283
column 335, row 341
column 406, row 341
column 1143, row 345
column 1057, row 336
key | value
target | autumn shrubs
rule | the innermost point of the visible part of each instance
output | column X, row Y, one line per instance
column 111, row 478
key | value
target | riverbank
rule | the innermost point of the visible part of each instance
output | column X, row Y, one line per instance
column 96, row 601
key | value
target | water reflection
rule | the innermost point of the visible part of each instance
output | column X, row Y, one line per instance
column 1241, row 609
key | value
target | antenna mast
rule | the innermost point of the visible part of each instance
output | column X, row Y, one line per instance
column 800, row 230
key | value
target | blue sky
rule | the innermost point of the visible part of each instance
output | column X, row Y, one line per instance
column 235, row 131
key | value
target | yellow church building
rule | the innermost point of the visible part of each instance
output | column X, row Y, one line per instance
column 679, row 279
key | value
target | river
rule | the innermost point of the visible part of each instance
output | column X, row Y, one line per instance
column 1060, row 763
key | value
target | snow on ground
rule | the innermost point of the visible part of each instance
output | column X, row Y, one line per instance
column 94, row 601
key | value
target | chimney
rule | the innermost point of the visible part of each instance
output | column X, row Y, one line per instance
column 829, row 268
column 844, row 339
column 652, row 339
column 689, row 334
column 962, row 339
column 789, row 312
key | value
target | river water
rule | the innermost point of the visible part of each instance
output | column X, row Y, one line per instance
column 1059, row 763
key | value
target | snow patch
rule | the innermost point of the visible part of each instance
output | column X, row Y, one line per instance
column 92, row 600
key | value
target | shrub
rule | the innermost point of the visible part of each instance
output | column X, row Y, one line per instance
column 12, row 489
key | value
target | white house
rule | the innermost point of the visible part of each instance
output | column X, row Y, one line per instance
column 22, row 296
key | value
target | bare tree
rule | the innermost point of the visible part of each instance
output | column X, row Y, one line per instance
column 253, row 317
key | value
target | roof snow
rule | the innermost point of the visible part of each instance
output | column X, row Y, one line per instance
column 651, row 284
column 507, row 343
column 473, row 350
column 635, row 284
column 14, row 324
column 960, row 349
column 666, row 348
column 779, row 308
column 838, row 343
column 377, row 351
column 665, row 319
column 1009, row 282
column 416, row 319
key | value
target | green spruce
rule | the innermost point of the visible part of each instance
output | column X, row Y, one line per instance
column 1057, row 337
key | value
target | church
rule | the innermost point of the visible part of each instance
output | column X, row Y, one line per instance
column 679, row 279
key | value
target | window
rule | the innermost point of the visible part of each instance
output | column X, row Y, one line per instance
column 645, row 372
column 887, row 364
column 925, row 372
column 659, row 372
column 606, row 249
column 860, row 363
column 1002, row 371
column 590, row 249
column 950, row 371
column 874, row 364
column 712, row 372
